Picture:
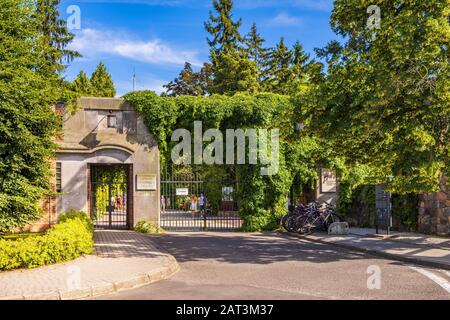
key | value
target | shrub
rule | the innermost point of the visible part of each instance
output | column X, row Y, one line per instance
column 70, row 238
column 72, row 214
column 148, row 227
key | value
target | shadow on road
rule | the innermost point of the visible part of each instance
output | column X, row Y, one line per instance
column 262, row 248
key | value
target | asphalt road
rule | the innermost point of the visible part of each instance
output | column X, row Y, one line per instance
column 274, row 266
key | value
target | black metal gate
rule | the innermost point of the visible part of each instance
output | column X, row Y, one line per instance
column 110, row 194
column 181, row 208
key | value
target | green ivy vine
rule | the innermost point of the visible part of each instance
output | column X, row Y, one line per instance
column 261, row 199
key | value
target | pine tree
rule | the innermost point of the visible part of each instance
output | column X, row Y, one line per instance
column 256, row 51
column 82, row 84
column 55, row 33
column 299, row 69
column 279, row 70
column 102, row 83
column 223, row 29
column 232, row 69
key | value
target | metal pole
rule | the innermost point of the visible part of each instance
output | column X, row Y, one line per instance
column 389, row 213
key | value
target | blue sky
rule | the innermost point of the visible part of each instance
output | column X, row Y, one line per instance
column 156, row 37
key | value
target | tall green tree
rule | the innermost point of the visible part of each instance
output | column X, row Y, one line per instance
column 384, row 100
column 54, row 32
column 191, row 83
column 279, row 73
column 232, row 69
column 222, row 28
column 256, row 51
column 299, row 70
column 27, row 122
column 81, row 84
column 233, row 73
column 102, row 83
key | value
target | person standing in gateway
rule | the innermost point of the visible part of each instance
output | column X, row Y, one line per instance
column 202, row 203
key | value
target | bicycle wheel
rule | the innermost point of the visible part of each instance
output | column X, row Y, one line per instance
column 284, row 221
column 290, row 224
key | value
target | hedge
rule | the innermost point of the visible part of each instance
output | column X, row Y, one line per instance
column 67, row 240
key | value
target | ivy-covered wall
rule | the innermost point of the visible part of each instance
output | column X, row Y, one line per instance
column 261, row 199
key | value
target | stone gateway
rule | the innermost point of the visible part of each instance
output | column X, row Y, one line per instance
column 107, row 164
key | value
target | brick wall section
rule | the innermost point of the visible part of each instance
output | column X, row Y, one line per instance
column 48, row 206
column 434, row 211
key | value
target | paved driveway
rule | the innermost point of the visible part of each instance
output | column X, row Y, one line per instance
column 275, row 266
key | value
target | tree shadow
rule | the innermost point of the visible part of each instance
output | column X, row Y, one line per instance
column 261, row 248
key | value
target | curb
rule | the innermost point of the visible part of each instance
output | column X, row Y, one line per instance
column 394, row 237
column 165, row 272
column 391, row 256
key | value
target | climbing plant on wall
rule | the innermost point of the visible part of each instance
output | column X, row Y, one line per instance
column 261, row 198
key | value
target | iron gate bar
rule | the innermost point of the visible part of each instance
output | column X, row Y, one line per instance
column 176, row 214
column 115, row 215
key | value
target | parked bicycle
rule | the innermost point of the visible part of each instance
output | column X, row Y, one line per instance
column 309, row 218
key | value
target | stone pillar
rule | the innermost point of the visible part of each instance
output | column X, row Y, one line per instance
column 434, row 211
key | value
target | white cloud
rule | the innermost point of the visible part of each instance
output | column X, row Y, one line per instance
column 285, row 20
column 91, row 43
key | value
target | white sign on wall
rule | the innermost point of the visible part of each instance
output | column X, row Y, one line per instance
column 146, row 182
column 182, row 192
column 328, row 181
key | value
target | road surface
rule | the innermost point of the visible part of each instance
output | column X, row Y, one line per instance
column 275, row 266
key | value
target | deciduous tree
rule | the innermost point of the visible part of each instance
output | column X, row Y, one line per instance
column 29, row 87
column 385, row 96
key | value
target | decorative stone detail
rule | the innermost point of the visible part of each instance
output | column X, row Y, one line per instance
column 434, row 211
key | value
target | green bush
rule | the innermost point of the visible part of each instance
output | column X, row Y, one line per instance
column 148, row 227
column 72, row 214
column 70, row 238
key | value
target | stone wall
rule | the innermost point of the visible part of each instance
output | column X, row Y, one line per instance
column 434, row 211
column 88, row 139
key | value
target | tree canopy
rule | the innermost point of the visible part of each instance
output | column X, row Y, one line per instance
column 81, row 84
column 384, row 98
column 29, row 87
column 191, row 83
column 102, row 84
